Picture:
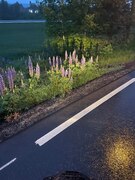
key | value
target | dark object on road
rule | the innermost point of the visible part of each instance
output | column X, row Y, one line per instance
column 68, row 175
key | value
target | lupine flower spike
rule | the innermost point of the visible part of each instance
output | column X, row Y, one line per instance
column 2, row 85
column 60, row 61
column 37, row 71
column 70, row 59
column 62, row 71
column 57, row 63
column 83, row 60
column 76, row 59
column 66, row 55
column 50, row 62
column 66, row 73
column 53, row 61
column 30, row 66
column 10, row 79
column 74, row 55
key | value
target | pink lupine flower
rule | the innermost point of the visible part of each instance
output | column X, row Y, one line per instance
column 37, row 71
column 50, row 62
column 70, row 59
column 74, row 55
column 53, row 61
column 30, row 66
column 10, row 79
column 66, row 55
column 83, row 60
column 66, row 73
column 62, row 71
column 2, row 85
column 91, row 60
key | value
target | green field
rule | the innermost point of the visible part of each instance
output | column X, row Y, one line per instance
column 17, row 40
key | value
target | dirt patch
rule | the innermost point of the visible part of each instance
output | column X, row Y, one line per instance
column 44, row 109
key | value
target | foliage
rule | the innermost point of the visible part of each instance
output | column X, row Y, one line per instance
column 87, row 17
column 60, row 79
column 83, row 45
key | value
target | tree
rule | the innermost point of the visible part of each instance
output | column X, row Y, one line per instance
column 65, row 16
column 4, row 9
column 113, row 16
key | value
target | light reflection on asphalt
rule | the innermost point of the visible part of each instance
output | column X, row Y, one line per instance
column 118, row 155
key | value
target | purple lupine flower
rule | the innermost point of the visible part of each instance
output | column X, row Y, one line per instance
column 10, row 79
column 13, row 72
column 57, row 63
column 91, row 59
column 66, row 55
column 2, row 85
column 70, row 59
column 30, row 66
column 37, row 71
column 62, row 71
column 53, row 61
column 74, row 55
column 66, row 73
column 69, row 73
column 83, row 60
column 50, row 62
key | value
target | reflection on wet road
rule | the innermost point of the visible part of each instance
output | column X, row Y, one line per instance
column 119, row 155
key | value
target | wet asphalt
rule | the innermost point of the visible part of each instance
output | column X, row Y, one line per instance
column 100, row 145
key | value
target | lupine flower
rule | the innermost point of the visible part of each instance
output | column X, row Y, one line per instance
column 97, row 59
column 13, row 72
column 2, row 85
column 57, row 63
column 66, row 55
column 70, row 59
column 66, row 73
column 83, row 60
column 53, row 61
column 74, row 55
column 60, row 62
column 37, row 71
column 62, row 71
column 10, row 79
column 76, row 59
column 91, row 60
column 50, row 62
column 30, row 66
column 69, row 73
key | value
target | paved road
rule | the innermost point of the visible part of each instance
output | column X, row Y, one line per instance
column 100, row 144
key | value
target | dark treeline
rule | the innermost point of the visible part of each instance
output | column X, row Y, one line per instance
column 87, row 17
column 17, row 11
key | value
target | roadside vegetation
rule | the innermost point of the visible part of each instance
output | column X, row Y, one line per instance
column 81, row 43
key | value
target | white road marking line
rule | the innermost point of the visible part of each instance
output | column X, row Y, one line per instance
column 47, row 137
column 10, row 162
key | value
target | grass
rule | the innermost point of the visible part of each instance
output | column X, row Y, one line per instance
column 18, row 40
